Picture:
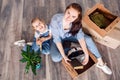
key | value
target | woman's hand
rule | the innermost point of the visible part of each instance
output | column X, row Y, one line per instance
column 67, row 60
column 85, row 50
column 86, row 59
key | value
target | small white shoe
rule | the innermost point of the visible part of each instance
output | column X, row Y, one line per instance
column 20, row 43
column 47, row 53
column 104, row 68
column 29, row 43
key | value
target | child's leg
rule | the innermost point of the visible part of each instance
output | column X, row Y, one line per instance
column 35, row 47
column 45, row 48
column 19, row 43
column 100, row 64
column 25, row 47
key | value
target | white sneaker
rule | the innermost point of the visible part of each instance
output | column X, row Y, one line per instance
column 20, row 43
column 47, row 53
column 29, row 43
column 104, row 68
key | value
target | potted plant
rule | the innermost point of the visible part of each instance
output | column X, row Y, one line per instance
column 101, row 19
column 32, row 59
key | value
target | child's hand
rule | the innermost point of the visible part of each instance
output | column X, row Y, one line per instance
column 38, row 41
column 42, row 39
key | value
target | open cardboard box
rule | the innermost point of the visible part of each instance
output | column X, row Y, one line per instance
column 111, row 40
column 76, row 72
column 113, row 20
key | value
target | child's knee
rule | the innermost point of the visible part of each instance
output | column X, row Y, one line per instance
column 56, row 59
column 46, row 53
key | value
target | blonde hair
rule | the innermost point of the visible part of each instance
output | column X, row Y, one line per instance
column 37, row 19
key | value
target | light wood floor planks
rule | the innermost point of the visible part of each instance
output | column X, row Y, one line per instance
column 15, row 18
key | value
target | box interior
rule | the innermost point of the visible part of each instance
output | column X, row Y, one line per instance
column 101, row 18
column 76, row 57
column 75, row 62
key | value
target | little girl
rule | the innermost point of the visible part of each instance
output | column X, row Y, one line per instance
column 42, row 35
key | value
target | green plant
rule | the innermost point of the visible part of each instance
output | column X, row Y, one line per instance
column 31, row 59
column 100, row 20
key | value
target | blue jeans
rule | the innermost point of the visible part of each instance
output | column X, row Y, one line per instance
column 56, row 56
column 36, row 48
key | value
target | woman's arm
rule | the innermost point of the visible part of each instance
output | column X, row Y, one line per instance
column 60, row 48
column 85, row 50
column 55, row 30
column 81, row 40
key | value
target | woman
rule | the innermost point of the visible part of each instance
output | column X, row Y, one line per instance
column 68, row 27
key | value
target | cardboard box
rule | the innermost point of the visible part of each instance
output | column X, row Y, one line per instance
column 111, row 40
column 76, row 72
column 113, row 21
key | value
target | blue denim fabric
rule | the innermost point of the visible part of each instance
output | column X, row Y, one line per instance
column 57, row 29
column 56, row 56
column 45, row 45
column 59, row 35
column 36, row 48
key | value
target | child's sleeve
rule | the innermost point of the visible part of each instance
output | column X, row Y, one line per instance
column 36, row 35
column 49, row 30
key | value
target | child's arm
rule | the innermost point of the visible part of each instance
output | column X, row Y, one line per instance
column 38, row 41
column 42, row 39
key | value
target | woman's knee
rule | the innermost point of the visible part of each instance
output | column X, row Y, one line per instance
column 56, row 56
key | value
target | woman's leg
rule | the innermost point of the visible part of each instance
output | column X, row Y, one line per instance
column 54, row 52
column 100, row 64
column 91, row 46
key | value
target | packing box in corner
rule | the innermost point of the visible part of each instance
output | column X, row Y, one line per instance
column 75, row 72
column 113, row 20
column 111, row 40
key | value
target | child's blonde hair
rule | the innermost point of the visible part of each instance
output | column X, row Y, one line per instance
column 35, row 19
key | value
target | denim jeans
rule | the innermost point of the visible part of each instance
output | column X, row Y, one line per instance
column 56, row 56
column 36, row 48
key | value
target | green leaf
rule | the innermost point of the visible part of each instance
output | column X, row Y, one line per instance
column 23, row 51
column 31, row 58
column 25, row 56
column 23, row 60
column 27, row 67
column 33, row 66
column 28, row 48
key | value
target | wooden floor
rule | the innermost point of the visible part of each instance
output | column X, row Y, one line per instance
column 15, row 18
